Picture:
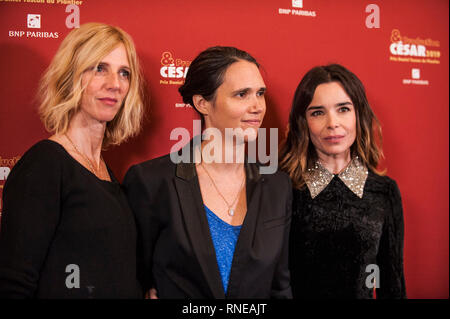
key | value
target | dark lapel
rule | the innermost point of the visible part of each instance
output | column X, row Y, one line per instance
column 188, row 188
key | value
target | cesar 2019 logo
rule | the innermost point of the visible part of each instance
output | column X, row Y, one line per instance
column 6, row 164
column 172, row 68
column 5, row 167
column 402, row 47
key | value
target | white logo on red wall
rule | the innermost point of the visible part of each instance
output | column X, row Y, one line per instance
column 34, row 21
column 6, row 164
column 413, row 50
column 415, row 78
column 296, row 5
column 173, row 70
column 415, row 73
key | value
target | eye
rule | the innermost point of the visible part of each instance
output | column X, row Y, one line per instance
column 316, row 113
column 344, row 109
column 261, row 93
column 241, row 94
column 100, row 68
column 124, row 73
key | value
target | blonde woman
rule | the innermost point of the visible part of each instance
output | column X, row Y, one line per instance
column 67, row 230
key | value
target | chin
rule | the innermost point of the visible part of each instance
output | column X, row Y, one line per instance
column 337, row 151
column 108, row 117
column 251, row 134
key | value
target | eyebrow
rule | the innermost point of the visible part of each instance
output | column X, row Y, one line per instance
column 107, row 64
column 344, row 103
column 264, row 89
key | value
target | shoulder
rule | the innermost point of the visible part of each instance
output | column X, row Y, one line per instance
column 381, row 183
column 44, row 149
column 278, row 178
column 155, row 168
column 386, row 186
column 43, row 154
column 40, row 164
column 278, row 184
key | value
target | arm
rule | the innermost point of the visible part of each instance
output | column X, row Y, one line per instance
column 139, row 198
column 31, row 213
column 390, row 254
column 281, row 287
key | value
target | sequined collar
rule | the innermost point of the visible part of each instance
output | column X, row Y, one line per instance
column 354, row 177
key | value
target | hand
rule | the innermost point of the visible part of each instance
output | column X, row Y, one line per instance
column 151, row 294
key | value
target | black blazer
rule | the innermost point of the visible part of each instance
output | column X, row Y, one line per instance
column 176, row 252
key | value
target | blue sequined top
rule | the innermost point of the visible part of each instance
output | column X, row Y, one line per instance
column 224, row 237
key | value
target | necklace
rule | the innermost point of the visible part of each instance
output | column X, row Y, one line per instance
column 230, row 209
column 92, row 169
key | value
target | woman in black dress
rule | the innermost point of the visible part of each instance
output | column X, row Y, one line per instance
column 67, row 230
column 347, row 228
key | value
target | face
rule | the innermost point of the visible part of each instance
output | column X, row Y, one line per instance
column 331, row 120
column 107, row 86
column 239, row 101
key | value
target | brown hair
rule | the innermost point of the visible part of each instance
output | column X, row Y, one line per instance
column 297, row 153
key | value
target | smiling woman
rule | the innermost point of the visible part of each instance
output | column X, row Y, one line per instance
column 63, row 208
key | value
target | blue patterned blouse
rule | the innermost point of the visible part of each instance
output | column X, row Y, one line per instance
column 224, row 237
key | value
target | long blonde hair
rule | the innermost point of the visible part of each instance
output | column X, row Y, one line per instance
column 60, row 88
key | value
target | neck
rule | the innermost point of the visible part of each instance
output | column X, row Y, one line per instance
column 220, row 163
column 334, row 163
column 87, row 134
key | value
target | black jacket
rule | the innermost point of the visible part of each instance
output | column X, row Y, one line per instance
column 176, row 252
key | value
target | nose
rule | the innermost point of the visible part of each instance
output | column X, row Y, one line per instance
column 332, row 121
column 112, row 81
column 258, row 104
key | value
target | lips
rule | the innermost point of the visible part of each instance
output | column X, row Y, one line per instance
column 108, row 100
column 255, row 122
column 334, row 138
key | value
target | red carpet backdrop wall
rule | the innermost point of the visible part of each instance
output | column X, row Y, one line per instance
column 398, row 48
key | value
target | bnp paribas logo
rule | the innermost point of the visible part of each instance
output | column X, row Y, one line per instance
column 34, row 21
column 415, row 78
column 297, row 10
column 297, row 3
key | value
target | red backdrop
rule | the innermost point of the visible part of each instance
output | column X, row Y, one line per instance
column 408, row 91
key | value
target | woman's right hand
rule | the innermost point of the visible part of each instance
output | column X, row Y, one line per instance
column 151, row 294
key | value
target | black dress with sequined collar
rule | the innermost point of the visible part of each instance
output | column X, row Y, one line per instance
column 347, row 236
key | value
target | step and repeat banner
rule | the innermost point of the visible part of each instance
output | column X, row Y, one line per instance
column 399, row 49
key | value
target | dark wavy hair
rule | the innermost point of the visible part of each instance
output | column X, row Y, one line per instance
column 297, row 153
column 207, row 70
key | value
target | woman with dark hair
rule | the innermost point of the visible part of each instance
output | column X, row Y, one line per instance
column 347, row 228
column 211, row 227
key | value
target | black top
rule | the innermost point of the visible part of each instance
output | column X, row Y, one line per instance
column 176, row 249
column 58, row 214
column 336, row 235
